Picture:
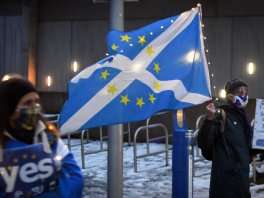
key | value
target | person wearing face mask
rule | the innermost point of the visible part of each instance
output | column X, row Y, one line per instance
column 34, row 161
column 231, row 153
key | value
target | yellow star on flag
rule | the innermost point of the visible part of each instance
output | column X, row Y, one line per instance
column 141, row 40
column 25, row 156
column 124, row 99
column 140, row 102
column 15, row 160
column 104, row 74
column 114, row 47
column 111, row 89
column 156, row 67
column 150, row 50
column 152, row 98
column 157, row 85
column 125, row 38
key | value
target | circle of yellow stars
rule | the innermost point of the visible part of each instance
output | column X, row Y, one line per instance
column 157, row 85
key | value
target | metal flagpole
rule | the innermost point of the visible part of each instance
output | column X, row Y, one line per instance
column 115, row 132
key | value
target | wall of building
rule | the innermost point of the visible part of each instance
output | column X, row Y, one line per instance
column 14, row 38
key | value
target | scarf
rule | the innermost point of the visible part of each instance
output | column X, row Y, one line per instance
column 249, row 131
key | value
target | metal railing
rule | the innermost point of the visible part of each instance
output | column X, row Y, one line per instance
column 144, row 128
column 147, row 129
column 53, row 118
column 197, row 126
column 198, row 156
column 102, row 138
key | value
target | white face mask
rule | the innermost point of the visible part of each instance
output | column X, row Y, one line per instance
column 241, row 101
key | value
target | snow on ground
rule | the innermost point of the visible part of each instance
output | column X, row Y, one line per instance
column 153, row 180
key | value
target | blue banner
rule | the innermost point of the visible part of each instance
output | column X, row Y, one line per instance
column 27, row 172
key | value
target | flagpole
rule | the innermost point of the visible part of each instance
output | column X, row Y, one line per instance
column 115, row 132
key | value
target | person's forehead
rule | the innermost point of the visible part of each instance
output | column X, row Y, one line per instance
column 242, row 89
column 30, row 97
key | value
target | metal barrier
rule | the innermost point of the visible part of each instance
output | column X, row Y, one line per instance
column 154, row 153
column 197, row 154
column 197, row 126
column 53, row 118
column 91, row 152
column 147, row 130
column 102, row 138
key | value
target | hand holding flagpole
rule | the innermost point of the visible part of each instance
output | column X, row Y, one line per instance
column 210, row 110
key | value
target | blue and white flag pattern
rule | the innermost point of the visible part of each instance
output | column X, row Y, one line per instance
column 160, row 66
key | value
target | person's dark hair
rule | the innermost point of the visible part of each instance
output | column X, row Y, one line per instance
column 232, row 85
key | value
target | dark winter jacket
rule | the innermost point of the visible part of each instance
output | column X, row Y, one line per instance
column 230, row 164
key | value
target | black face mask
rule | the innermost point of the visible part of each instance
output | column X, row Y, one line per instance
column 28, row 118
column 25, row 124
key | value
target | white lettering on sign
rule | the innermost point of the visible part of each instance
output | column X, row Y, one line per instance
column 45, row 168
column 28, row 173
column 9, row 179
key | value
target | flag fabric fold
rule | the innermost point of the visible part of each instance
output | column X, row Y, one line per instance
column 160, row 66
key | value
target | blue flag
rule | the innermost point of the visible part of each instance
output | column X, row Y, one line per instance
column 160, row 66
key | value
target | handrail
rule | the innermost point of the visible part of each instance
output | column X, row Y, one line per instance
column 154, row 153
column 199, row 119
column 53, row 118
column 83, row 153
column 147, row 129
